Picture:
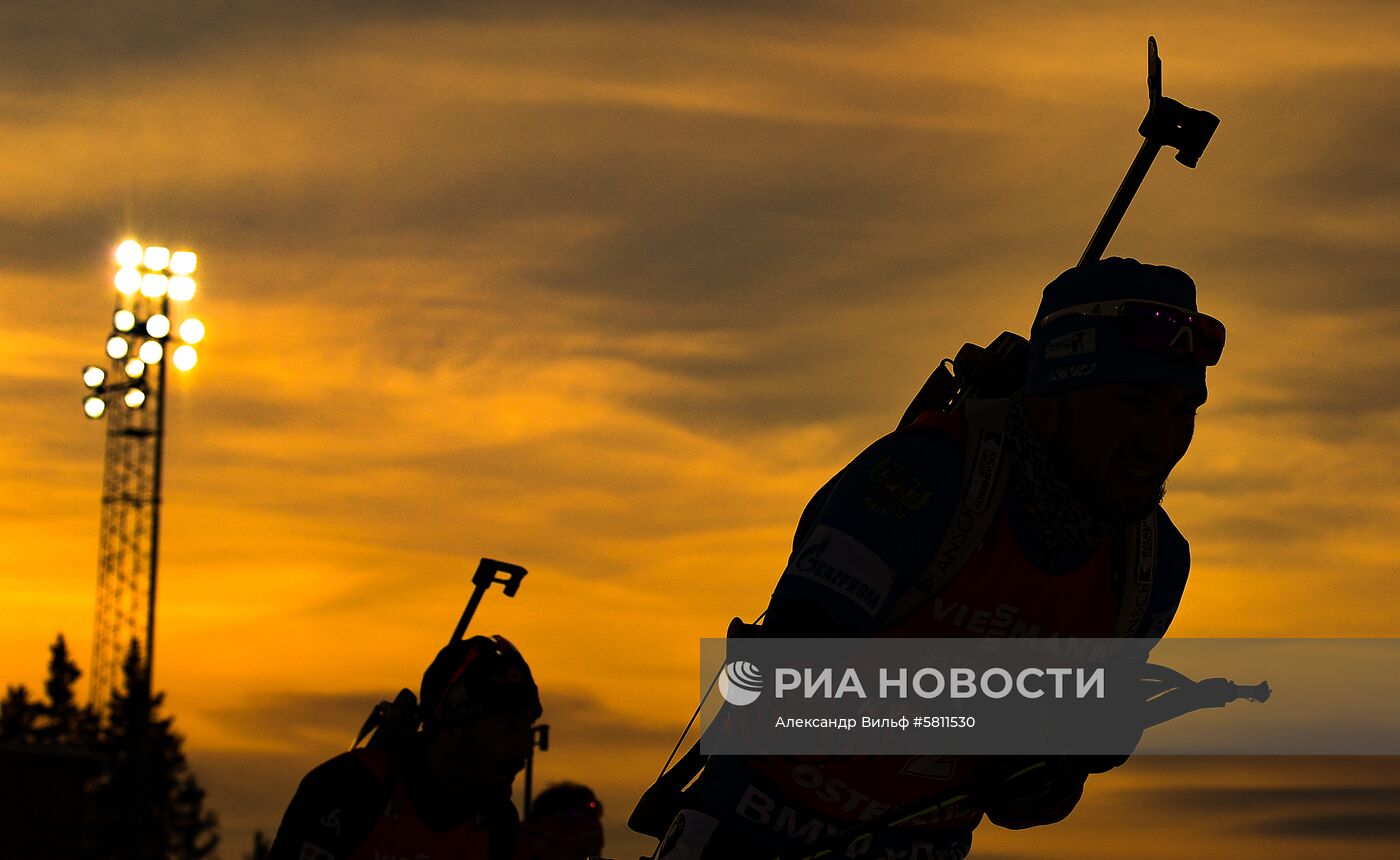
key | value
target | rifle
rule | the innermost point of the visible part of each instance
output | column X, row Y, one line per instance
column 999, row 369
column 483, row 579
column 1168, row 123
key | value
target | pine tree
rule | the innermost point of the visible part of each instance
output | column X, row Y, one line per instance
column 17, row 716
column 262, row 849
column 65, row 722
column 147, row 806
column 192, row 829
column 63, row 674
column 151, row 805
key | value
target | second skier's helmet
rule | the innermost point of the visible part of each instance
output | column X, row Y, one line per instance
column 476, row 676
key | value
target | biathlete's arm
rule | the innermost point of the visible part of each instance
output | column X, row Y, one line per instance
column 865, row 535
column 334, row 809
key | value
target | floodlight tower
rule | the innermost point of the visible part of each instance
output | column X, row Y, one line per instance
column 130, row 393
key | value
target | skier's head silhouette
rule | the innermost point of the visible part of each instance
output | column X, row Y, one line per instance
column 478, row 702
column 1117, row 368
column 565, row 823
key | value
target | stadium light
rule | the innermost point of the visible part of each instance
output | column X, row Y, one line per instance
column 185, row 357
column 129, row 254
column 181, row 288
column 142, row 340
column 182, row 263
column 151, row 352
column 148, row 280
column 156, row 258
column 158, row 326
column 128, row 281
column 153, row 286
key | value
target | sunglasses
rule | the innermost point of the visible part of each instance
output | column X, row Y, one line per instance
column 1158, row 327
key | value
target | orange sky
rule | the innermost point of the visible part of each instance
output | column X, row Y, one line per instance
column 610, row 294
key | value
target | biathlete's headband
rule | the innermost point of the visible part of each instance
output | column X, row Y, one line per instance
column 1118, row 320
column 1158, row 327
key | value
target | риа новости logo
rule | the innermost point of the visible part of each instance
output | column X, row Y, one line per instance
column 740, row 683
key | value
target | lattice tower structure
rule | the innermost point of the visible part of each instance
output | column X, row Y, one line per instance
column 130, row 393
column 129, row 542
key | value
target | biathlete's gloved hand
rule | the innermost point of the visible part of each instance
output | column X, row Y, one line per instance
column 1098, row 763
column 1043, row 796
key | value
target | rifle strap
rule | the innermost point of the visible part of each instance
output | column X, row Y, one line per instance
column 985, row 475
column 984, row 485
column 1134, row 573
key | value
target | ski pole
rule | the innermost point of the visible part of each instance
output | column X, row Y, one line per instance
column 1191, row 696
column 483, row 579
column 1168, row 123
column 660, row 803
column 1179, row 695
